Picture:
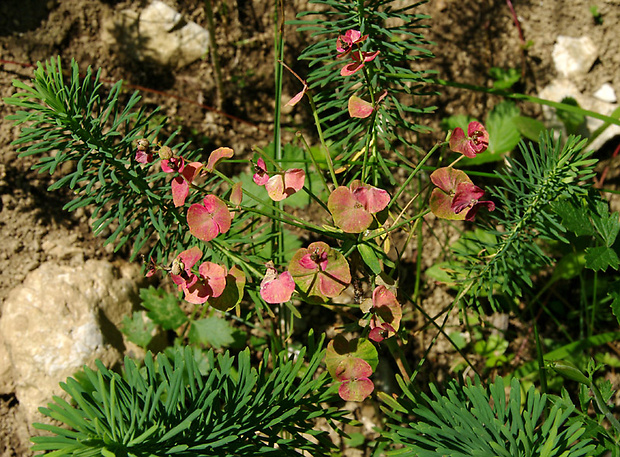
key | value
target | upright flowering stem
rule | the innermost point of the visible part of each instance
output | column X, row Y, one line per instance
column 328, row 157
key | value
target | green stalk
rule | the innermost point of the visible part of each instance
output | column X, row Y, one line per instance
column 514, row 95
column 319, row 130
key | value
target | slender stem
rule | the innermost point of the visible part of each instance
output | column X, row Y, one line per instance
column 414, row 172
column 317, row 123
column 214, row 57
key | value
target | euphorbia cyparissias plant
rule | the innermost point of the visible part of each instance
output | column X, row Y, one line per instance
column 454, row 194
column 476, row 141
column 349, row 44
column 353, row 207
column 276, row 288
column 208, row 220
column 281, row 185
column 320, row 272
column 351, row 363
column 210, row 282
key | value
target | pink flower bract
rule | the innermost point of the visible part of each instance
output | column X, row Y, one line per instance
column 180, row 184
column 208, row 220
column 276, row 288
column 454, row 194
column 352, row 207
column 281, row 186
column 476, row 141
column 319, row 271
column 218, row 155
column 344, row 43
column 260, row 172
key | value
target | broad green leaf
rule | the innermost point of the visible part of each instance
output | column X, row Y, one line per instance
column 138, row 328
column 599, row 258
column 529, row 127
column 370, row 258
column 503, row 133
column 163, row 308
column 213, row 331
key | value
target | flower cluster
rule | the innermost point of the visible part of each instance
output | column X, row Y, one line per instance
column 349, row 44
column 280, row 185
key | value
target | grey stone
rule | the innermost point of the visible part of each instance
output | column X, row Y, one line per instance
column 574, row 56
column 59, row 319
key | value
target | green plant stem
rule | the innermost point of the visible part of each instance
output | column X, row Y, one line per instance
column 317, row 123
column 605, row 410
column 214, row 57
column 516, row 96
column 400, row 359
column 313, row 159
column 539, row 357
column 414, row 172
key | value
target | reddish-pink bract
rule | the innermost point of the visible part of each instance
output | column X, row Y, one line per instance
column 276, row 288
column 214, row 276
column 208, row 220
column 320, row 272
column 260, row 172
column 454, row 194
column 281, row 186
column 216, row 156
column 359, row 108
column 386, row 310
column 352, row 208
column 180, row 184
column 476, row 141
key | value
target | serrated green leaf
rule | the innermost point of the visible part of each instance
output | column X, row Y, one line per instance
column 213, row 331
column 138, row 328
column 163, row 308
column 575, row 218
column 600, row 258
column 503, row 133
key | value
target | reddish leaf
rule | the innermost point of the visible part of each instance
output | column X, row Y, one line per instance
column 208, row 220
column 320, row 272
column 386, row 309
column 348, row 213
column 372, row 198
column 356, row 389
column 281, row 186
column 276, row 288
column 216, row 156
column 214, row 276
column 359, row 108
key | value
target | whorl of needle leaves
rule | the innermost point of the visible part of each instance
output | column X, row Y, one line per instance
column 502, row 258
column 473, row 421
column 395, row 31
column 73, row 122
column 180, row 406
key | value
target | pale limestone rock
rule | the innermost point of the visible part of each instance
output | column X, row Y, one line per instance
column 60, row 319
column 157, row 33
column 574, row 56
column 606, row 93
column 561, row 88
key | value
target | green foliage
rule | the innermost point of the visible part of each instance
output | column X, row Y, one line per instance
column 471, row 420
column 212, row 331
column 139, row 328
column 509, row 252
column 163, row 308
column 170, row 407
column 504, row 78
column 73, row 122
column 393, row 30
